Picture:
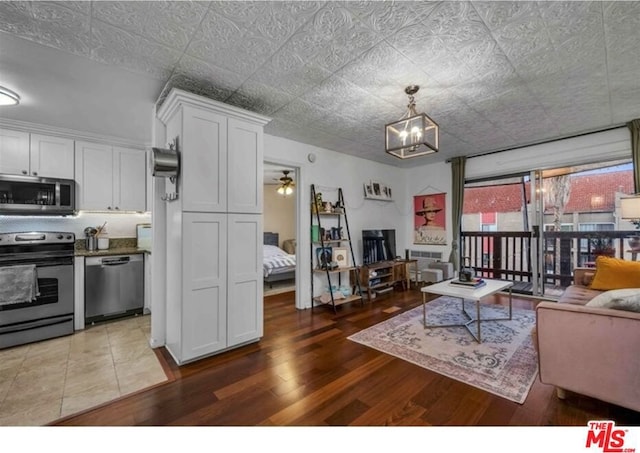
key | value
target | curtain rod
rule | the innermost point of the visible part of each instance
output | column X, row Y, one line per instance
column 487, row 153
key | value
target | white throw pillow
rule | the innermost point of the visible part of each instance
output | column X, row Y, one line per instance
column 619, row 299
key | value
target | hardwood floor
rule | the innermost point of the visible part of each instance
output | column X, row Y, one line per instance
column 305, row 372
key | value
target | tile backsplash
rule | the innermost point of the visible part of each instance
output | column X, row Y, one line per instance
column 118, row 225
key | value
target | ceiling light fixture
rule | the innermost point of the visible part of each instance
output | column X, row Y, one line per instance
column 8, row 97
column 286, row 184
column 413, row 135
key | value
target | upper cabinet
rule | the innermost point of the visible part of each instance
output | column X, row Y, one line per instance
column 220, row 154
column 110, row 178
column 51, row 156
column 22, row 153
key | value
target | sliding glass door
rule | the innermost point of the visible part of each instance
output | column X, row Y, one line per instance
column 535, row 228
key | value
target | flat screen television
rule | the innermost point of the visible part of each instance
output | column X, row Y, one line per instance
column 378, row 245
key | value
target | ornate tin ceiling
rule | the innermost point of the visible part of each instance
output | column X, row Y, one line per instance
column 494, row 75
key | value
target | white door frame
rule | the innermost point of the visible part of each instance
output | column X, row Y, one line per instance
column 299, row 184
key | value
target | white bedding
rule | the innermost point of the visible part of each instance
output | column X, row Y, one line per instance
column 277, row 261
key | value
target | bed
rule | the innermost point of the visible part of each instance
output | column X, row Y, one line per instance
column 278, row 265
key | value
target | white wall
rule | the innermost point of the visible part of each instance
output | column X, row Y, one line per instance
column 330, row 171
column 279, row 213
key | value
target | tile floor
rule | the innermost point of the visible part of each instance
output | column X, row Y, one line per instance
column 44, row 381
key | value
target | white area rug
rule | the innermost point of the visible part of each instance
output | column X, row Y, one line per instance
column 505, row 363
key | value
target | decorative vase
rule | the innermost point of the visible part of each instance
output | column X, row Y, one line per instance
column 634, row 242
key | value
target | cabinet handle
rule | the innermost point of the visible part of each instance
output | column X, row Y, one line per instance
column 24, row 172
column 35, row 173
column 117, row 208
column 109, row 207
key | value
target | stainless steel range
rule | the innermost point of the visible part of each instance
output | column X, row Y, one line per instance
column 36, row 286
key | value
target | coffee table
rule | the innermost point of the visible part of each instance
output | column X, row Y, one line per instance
column 446, row 288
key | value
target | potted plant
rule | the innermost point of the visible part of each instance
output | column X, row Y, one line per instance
column 634, row 241
column 602, row 246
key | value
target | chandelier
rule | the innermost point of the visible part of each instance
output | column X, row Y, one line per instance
column 413, row 135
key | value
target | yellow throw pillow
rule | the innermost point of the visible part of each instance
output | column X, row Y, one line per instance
column 614, row 273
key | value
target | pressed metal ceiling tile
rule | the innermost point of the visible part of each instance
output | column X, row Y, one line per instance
column 62, row 28
column 208, row 74
column 492, row 74
column 290, row 74
column 384, row 17
column 115, row 46
column 130, row 16
column 259, row 98
column 81, row 6
column 174, row 23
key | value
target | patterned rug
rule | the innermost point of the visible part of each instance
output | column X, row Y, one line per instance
column 505, row 363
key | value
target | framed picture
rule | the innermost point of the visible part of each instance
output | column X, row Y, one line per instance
column 429, row 219
column 374, row 190
column 340, row 255
column 324, row 256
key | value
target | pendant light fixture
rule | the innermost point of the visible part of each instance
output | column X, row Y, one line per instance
column 8, row 97
column 413, row 135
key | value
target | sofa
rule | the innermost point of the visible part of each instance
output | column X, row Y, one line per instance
column 584, row 344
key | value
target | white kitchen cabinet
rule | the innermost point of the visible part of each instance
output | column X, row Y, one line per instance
column 244, row 167
column 214, row 299
column 203, row 311
column 51, row 157
column 204, row 164
column 244, row 267
column 110, row 178
column 22, row 153
column 221, row 285
column 129, row 179
column 14, row 152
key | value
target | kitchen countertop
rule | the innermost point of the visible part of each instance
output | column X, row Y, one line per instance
column 117, row 246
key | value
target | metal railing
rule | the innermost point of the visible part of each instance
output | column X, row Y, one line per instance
column 508, row 255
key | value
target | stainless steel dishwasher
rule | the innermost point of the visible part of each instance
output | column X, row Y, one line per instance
column 114, row 287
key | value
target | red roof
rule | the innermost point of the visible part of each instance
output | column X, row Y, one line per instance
column 505, row 198
column 596, row 192
column 589, row 193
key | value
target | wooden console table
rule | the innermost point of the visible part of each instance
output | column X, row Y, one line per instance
column 387, row 275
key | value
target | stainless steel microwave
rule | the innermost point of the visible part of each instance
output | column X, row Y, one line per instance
column 33, row 195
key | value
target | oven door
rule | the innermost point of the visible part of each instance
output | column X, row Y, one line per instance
column 49, row 315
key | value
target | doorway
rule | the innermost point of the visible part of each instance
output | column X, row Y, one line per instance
column 280, row 227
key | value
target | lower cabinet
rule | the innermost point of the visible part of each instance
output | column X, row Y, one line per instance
column 215, row 301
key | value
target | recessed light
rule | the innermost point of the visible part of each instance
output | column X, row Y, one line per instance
column 8, row 97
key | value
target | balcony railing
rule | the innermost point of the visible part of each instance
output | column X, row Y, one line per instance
column 508, row 255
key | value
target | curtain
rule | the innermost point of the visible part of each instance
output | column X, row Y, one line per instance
column 457, row 199
column 634, row 127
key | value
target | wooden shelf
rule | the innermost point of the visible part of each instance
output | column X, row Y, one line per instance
column 388, row 274
column 334, row 271
column 341, row 251
column 332, row 241
column 346, row 300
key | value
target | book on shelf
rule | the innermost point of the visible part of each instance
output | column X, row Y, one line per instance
column 473, row 283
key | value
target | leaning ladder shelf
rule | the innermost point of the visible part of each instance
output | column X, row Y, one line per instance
column 321, row 264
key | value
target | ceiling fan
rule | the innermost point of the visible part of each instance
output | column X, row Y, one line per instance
column 286, row 184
